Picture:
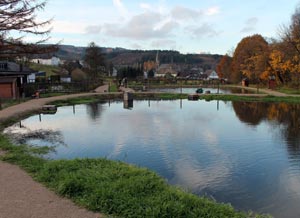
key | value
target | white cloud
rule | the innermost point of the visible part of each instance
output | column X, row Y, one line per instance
column 145, row 6
column 118, row 3
column 250, row 25
column 201, row 31
column 183, row 13
column 143, row 26
column 212, row 11
column 68, row 27
column 93, row 29
column 120, row 6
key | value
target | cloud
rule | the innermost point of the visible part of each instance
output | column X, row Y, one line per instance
column 182, row 13
column 68, row 27
column 93, row 29
column 250, row 25
column 145, row 6
column 201, row 31
column 212, row 11
column 121, row 8
column 118, row 3
column 143, row 26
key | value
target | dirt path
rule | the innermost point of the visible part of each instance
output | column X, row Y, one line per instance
column 20, row 195
column 35, row 104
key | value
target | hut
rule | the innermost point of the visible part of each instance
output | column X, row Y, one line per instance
column 245, row 82
column 272, row 82
column 12, row 78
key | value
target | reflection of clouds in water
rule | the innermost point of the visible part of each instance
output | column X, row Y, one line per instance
column 191, row 173
column 194, row 174
column 209, row 137
column 118, row 148
column 292, row 185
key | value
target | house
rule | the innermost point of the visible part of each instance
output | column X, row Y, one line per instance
column 212, row 75
column 12, row 78
column 54, row 61
column 66, row 79
column 166, row 70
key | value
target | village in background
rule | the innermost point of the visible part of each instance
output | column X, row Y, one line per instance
column 69, row 69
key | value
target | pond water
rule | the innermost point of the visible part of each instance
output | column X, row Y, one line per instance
column 222, row 90
column 246, row 154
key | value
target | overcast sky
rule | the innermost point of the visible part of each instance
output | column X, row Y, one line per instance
column 189, row 26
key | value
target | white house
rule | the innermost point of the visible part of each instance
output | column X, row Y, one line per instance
column 211, row 75
column 54, row 61
column 65, row 79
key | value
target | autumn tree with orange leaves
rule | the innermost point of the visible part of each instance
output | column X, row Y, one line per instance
column 224, row 67
column 288, row 56
column 250, row 58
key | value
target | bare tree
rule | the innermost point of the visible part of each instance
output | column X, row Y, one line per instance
column 18, row 19
column 94, row 60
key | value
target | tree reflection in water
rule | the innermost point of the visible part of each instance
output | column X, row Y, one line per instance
column 94, row 110
column 286, row 115
column 24, row 134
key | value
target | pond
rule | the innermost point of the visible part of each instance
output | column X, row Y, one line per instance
column 246, row 154
column 214, row 90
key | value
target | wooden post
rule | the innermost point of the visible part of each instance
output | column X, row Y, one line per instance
column 180, row 86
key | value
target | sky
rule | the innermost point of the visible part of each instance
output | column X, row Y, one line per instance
column 189, row 26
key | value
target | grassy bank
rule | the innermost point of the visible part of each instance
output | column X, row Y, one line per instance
column 263, row 98
column 175, row 96
column 114, row 188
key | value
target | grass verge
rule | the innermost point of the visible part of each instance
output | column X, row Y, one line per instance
column 114, row 188
column 262, row 98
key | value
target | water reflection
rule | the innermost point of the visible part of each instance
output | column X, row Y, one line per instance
column 285, row 116
column 243, row 153
column 27, row 135
column 94, row 110
column 128, row 104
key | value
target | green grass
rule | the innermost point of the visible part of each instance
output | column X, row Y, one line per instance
column 50, row 70
column 113, row 88
column 269, row 98
column 112, row 187
column 289, row 91
column 86, row 99
column 4, row 103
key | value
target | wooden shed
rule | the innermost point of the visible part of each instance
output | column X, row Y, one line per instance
column 12, row 78
column 8, row 87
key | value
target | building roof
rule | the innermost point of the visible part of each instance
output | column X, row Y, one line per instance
column 7, row 79
column 11, row 68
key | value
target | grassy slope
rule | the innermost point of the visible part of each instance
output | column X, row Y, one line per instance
column 50, row 70
column 114, row 187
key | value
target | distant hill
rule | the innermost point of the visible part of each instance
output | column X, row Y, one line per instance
column 126, row 57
